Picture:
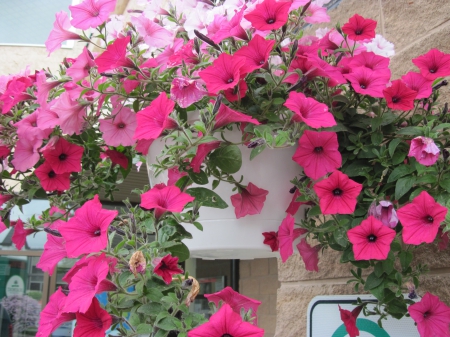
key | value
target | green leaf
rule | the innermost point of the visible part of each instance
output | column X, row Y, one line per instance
column 393, row 145
column 199, row 178
column 403, row 185
column 151, row 309
column 445, row 182
column 411, row 131
column 405, row 259
column 169, row 323
column 400, row 171
column 154, row 294
column 256, row 151
column 181, row 251
column 388, row 265
column 198, row 225
column 428, row 179
column 397, row 306
column 376, row 138
column 227, row 158
column 398, row 157
column 441, row 126
column 340, row 236
column 372, row 281
column 314, row 211
column 207, row 197
column 356, row 168
column 144, row 329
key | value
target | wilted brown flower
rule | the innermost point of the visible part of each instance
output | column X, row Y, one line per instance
column 137, row 263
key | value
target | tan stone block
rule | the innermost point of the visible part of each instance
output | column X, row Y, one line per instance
column 273, row 304
column 438, row 285
column 249, row 287
column 268, row 284
column 244, row 268
column 273, row 266
column 406, row 21
column 264, row 308
column 292, row 305
column 259, row 267
column 268, row 323
column 432, row 256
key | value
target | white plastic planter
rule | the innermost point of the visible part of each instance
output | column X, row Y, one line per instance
column 224, row 236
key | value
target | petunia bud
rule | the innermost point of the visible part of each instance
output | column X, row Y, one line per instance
column 384, row 212
column 137, row 263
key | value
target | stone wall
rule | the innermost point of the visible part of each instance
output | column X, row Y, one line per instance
column 414, row 26
column 259, row 280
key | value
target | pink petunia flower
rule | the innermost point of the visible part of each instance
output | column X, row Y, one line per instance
column 86, row 283
column 154, row 119
column 20, row 234
column 318, row 153
column 226, row 116
column 424, row 150
column 94, row 322
column 431, row 316
column 28, row 128
column 417, row 82
column 374, row 62
column 309, row 111
column 71, row 114
column 153, row 34
column 46, row 117
column 349, row 319
column 367, row 82
column 15, row 92
column 83, row 262
column 286, row 236
column 26, row 154
column 224, row 73
column 54, row 251
column 371, row 239
column 87, row 231
column 269, row 15
column 91, row 13
column 249, row 202
column 235, row 300
column 226, row 322
column 165, row 199
column 186, row 91
column 358, row 28
column 271, row 239
column 64, row 156
column 51, row 181
column 316, row 14
column 256, row 53
column 120, row 128
column 421, row 219
column 433, row 64
column 53, row 316
column 202, row 151
column 399, row 97
column 116, row 157
column 230, row 28
column 384, row 212
column 83, row 63
column 60, row 33
column 337, row 194
column 166, row 267
column 294, row 205
column 115, row 56
column 310, row 255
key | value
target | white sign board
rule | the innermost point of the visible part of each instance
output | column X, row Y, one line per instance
column 15, row 286
column 324, row 319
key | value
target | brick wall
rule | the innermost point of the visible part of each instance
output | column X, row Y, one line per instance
column 259, row 280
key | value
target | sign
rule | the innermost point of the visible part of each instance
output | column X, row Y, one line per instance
column 15, row 286
column 324, row 319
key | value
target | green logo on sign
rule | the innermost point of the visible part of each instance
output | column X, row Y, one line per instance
column 363, row 325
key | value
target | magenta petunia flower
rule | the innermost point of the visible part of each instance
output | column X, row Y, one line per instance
column 358, row 28
column 51, row 181
column 224, row 73
column 94, row 322
column 20, row 234
column 226, row 116
column 399, row 97
column 271, row 239
column 166, row 267
column 236, row 93
column 424, row 150
column 384, row 212
column 431, row 316
column 310, row 255
column 87, row 231
column 83, row 262
column 202, row 152
column 309, row 111
column 91, row 13
column 186, row 91
column 349, row 319
column 174, row 175
column 433, row 64
column 120, row 128
column 60, row 33
column 53, row 316
column 337, row 194
column 165, row 199
column 256, row 53
column 117, row 158
column 417, row 82
column 115, row 56
column 229, row 28
column 286, row 236
column 83, row 63
column 15, row 92
column 318, row 153
column 294, row 205
column 86, row 283
column 421, row 219
column 249, row 202
column 226, row 322
column 367, row 82
column 54, row 251
column 64, row 156
column 154, row 119
column 269, row 15
column 235, row 300
column 371, row 239
column 370, row 60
